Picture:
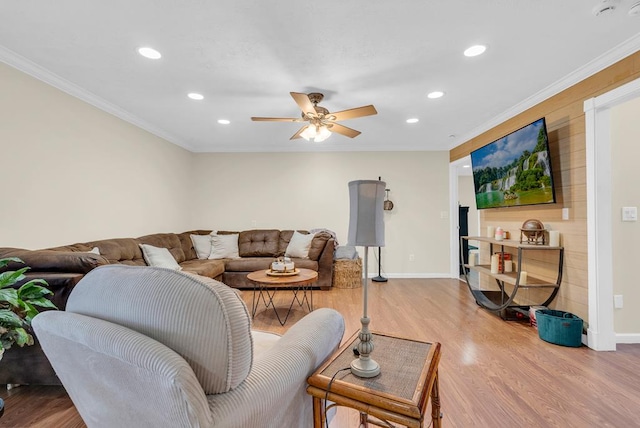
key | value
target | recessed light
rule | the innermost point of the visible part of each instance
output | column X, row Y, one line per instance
column 150, row 53
column 195, row 96
column 224, row 121
column 475, row 50
column 413, row 120
column 435, row 94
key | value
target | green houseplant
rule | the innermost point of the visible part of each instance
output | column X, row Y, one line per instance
column 18, row 306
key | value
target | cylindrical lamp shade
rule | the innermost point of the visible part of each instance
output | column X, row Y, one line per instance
column 366, row 221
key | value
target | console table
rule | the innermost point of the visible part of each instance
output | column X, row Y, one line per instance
column 399, row 394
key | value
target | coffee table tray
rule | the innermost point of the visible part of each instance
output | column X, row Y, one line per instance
column 275, row 273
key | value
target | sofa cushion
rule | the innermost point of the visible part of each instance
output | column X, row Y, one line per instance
column 259, row 243
column 247, row 264
column 120, row 250
column 170, row 241
column 317, row 244
column 224, row 246
column 145, row 299
column 159, row 257
column 208, row 268
column 299, row 245
column 202, row 245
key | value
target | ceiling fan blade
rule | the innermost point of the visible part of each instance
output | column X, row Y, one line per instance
column 353, row 113
column 347, row 132
column 277, row 119
column 300, row 131
column 303, row 102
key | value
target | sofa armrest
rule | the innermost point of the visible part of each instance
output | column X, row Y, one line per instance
column 275, row 390
column 325, row 266
column 55, row 261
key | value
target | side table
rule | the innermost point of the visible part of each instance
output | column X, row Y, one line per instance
column 399, row 394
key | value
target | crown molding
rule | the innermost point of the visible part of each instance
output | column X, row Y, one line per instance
column 34, row 70
column 605, row 60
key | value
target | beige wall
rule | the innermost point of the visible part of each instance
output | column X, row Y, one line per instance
column 625, row 152
column 73, row 173
column 307, row 190
column 564, row 113
column 82, row 174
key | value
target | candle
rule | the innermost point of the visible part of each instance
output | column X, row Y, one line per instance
column 472, row 259
column 508, row 266
column 491, row 231
column 523, row 277
column 499, row 234
column 495, row 261
column 554, row 238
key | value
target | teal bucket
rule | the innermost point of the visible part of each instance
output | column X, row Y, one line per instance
column 559, row 327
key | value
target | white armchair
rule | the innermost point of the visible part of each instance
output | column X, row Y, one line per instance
column 152, row 347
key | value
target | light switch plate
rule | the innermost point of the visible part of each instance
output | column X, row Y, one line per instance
column 565, row 213
column 629, row 213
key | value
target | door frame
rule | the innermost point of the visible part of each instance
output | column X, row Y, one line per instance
column 601, row 333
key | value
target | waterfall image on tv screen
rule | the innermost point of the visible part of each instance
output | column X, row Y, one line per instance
column 514, row 170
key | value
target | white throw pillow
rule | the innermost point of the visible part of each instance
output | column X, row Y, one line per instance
column 94, row 250
column 224, row 247
column 202, row 245
column 159, row 257
column 299, row 245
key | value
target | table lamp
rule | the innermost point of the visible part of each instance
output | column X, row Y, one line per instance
column 366, row 229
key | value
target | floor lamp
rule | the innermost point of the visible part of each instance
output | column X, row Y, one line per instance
column 366, row 229
column 387, row 206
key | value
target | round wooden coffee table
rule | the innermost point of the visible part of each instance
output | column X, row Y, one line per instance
column 267, row 285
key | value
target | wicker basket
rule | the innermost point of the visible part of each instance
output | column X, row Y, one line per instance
column 347, row 273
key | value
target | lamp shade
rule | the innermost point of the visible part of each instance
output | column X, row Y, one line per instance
column 366, row 220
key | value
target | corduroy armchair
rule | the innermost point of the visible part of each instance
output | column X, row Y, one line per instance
column 152, row 347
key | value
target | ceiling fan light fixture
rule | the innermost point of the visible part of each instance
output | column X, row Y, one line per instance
column 316, row 133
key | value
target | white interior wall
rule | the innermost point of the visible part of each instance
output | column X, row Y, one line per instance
column 625, row 152
column 73, row 173
column 309, row 190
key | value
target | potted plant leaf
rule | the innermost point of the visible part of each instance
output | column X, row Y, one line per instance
column 18, row 306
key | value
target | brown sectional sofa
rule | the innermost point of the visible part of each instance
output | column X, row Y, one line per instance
column 62, row 267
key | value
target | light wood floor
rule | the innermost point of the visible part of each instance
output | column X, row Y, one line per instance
column 492, row 373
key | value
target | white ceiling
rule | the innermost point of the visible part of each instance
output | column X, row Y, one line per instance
column 246, row 56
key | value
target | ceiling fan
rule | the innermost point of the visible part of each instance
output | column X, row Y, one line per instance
column 321, row 122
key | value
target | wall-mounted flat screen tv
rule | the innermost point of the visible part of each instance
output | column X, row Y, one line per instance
column 514, row 170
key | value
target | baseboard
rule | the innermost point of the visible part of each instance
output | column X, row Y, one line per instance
column 627, row 338
column 417, row 275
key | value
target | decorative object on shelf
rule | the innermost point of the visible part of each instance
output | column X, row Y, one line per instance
column 366, row 228
column 532, row 232
column 554, row 238
column 499, row 235
column 523, row 277
column 495, row 263
column 491, row 231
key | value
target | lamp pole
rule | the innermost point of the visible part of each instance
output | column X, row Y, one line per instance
column 379, row 278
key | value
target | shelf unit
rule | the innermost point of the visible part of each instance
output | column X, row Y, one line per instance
column 502, row 301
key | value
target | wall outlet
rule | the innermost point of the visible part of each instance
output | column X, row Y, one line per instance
column 629, row 213
column 444, row 214
column 412, row 257
column 254, row 223
column 617, row 301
